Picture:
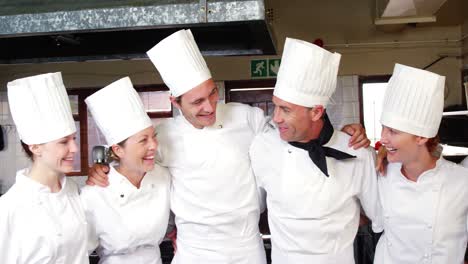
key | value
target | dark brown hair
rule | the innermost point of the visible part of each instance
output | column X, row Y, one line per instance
column 432, row 144
column 27, row 150
column 112, row 153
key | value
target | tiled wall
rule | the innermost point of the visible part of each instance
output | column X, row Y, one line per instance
column 344, row 106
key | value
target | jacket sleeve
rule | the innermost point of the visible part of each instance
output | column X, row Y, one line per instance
column 8, row 251
column 93, row 239
column 257, row 120
column 369, row 192
column 255, row 161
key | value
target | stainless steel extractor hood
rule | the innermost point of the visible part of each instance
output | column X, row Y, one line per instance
column 127, row 29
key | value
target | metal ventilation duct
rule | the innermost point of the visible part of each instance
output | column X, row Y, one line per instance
column 222, row 27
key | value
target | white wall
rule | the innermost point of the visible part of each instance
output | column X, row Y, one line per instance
column 344, row 106
column 465, row 33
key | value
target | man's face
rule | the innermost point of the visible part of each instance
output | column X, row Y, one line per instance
column 199, row 104
column 295, row 122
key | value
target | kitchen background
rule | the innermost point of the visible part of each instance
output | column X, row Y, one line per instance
column 371, row 35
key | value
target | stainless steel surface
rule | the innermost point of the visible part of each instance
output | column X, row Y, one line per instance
column 166, row 14
column 221, row 28
column 101, row 155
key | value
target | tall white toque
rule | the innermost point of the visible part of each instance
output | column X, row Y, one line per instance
column 414, row 101
column 179, row 62
column 118, row 111
column 40, row 108
column 307, row 75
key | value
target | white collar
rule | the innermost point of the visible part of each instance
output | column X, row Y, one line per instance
column 425, row 177
column 25, row 181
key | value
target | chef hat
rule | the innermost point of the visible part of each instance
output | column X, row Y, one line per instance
column 179, row 62
column 414, row 101
column 307, row 75
column 40, row 108
column 118, row 111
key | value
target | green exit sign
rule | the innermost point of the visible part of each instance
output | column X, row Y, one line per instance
column 264, row 68
column 273, row 67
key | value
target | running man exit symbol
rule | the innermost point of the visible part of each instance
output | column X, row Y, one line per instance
column 258, row 68
column 264, row 68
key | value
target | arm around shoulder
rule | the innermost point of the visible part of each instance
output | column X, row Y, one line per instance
column 8, row 253
column 369, row 193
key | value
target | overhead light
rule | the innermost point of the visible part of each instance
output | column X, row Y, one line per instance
column 455, row 113
column 404, row 20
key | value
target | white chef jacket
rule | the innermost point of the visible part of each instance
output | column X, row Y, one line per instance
column 314, row 218
column 128, row 223
column 214, row 196
column 38, row 226
column 464, row 162
column 424, row 221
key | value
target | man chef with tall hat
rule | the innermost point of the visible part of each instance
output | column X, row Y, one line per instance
column 314, row 183
column 214, row 195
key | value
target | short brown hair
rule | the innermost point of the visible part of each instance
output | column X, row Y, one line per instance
column 432, row 144
column 27, row 150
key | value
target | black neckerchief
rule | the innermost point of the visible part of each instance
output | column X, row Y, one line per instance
column 317, row 152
